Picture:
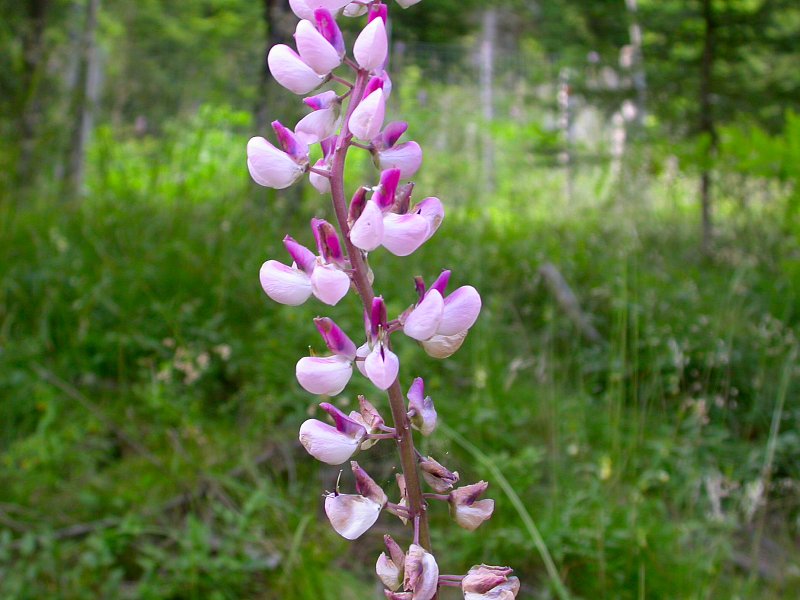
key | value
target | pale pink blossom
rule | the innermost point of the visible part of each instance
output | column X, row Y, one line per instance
column 332, row 445
column 371, row 46
column 271, row 167
column 352, row 514
column 328, row 375
column 290, row 71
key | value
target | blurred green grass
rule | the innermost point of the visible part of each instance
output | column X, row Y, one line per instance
column 140, row 364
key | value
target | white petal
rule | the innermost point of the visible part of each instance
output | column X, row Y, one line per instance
column 367, row 231
column 290, row 71
column 402, row 234
column 442, row 346
column 355, row 9
column 428, row 584
column 388, row 572
column 326, row 443
column 269, row 166
column 362, row 352
column 324, row 375
column 461, row 310
column 284, row 284
column 314, row 49
column 431, row 208
column 371, row 46
column 407, row 3
column 329, row 284
column 470, row 517
column 382, row 367
column 406, row 156
column 424, row 320
column 351, row 514
column 318, row 125
column 367, row 119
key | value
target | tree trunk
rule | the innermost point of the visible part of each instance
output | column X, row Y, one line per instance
column 85, row 98
column 637, row 68
column 707, row 127
column 488, row 43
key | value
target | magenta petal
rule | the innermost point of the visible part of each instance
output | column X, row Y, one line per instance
column 329, row 29
column 371, row 47
column 328, row 444
column 367, row 231
column 424, row 320
column 327, row 238
column 441, row 282
column 290, row 71
column 461, row 310
column 284, row 284
column 323, row 375
column 301, row 255
column 403, row 234
column 406, row 156
column 335, row 339
column 382, row 367
column 314, row 49
column 384, row 194
column 343, row 422
column 367, row 119
column 294, row 147
column 391, row 133
column 377, row 316
column 271, row 167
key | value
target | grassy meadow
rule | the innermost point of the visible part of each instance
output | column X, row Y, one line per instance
column 149, row 409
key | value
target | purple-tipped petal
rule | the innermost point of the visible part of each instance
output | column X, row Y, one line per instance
column 344, row 423
column 301, row 255
column 328, row 444
column 357, row 205
column 290, row 71
column 382, row 367
column 284, row 284
column 329, row 29
column 431, row 208
column 324, row 375
column 371, row 47
column 391, row 133
column 350, row 514
column 384, row 193
column 378, row 11
column 318, row 125
column 406, row 156
column 442, row 346
column 367, row 119
column 335, row 339
column 366, row 486
column 441, row 282
column 293, row 146
column 322, row 100
column 327, row 238
column 466, row 509
column 271, row 167
column 461, row 310
column 403, row 234
column 314, row 49
column 329, row 284
column 377, row 316
column 424, row 320
column 367, row 231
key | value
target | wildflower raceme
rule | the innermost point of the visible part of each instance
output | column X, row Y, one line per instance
column 348, row 98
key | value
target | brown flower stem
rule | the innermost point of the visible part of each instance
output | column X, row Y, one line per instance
column 405, row 440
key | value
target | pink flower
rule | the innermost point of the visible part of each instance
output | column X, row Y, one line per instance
column 328, row 375
column 420, row 408
column 322, row 183
column 352, row 514
column 323, row 121
column 484, row 582
column 466, row 509
column 332, row 445
column 421, row 573
column 380, row 364
column 387, row 155
column 371, row 46
column 291, row 71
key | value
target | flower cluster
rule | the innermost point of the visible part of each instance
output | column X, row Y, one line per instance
column 351, row 113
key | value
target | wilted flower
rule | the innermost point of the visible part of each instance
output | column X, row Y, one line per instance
column 466, row 509
column 421, row 573
column 352, row 514
column 390, row 568
column 421, row 411
column 484, row 582
column 437, row 475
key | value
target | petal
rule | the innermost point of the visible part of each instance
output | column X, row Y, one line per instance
column 428, row 584
column 461, row 310
column 407, row 3
column 290, row 71
column 314, row 49
column 355, row 9
column 271, row 167
column 366, row 486
column 442, row 346
column 284, row 284
column 302, row 256
column 402, row 234
column 388, row 572
column 350, row 514
column 335, row 339
column 305, row 8
column 323, row 375
column 326, row 443
column 318, row 125
column 406, row 156
column 431, row 208
column 470, row 517
column 329, row 284
column 321, row 184
column 382, row 366
column 371, row 46
column 294, row 147
column 424, row 320
column 362, row 352
column 327, row 26
column 367, row 231
column 390, row 134
column 367, row 119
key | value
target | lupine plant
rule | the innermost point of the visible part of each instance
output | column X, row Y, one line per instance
column 382, row 214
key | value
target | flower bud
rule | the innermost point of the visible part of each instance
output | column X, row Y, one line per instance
column 371, row 47
column 437, row 476
column 328, row 244
column 324, row 375
column 466, row 509
column 484, row 582
column 422, row 412
column 314, row 49
column 422, row 323
column 367, row 118
column 290, row 71
column 421, row 573
column 271, row 167
column 351, row 514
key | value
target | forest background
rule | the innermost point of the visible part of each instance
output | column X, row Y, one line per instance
column 621, row 179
